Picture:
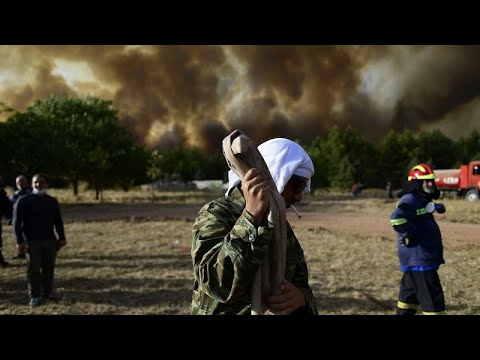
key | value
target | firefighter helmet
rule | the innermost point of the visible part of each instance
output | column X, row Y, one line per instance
column 421, row 172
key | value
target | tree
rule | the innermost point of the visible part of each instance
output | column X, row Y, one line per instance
column 349, row 158
column 87, row 141
column 4, row 108
column 468, row 148
column 320, row 162
column 439, row 151
column 397, row 153
column 176, row 164
column 31, row 144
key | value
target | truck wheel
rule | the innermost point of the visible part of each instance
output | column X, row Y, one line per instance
column 472, row 195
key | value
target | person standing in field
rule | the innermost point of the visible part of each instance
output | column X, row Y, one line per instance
column 5, row 210
column 35, row 216
column 231, row 237
column 22, row 189
column 420, row 248
column 389, row 190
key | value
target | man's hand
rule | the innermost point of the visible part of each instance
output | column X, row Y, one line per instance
column 432, row 207
column 291, row 299
column 61, row 243
column 257, row 188
column 406, row 239
column 22, row 248
column 440, row 208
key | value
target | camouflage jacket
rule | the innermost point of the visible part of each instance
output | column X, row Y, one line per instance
column 227, row 249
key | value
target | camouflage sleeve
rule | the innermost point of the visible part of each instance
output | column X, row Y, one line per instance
column 300, row 280
column 226, row 252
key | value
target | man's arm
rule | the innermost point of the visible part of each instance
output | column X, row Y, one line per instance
column 296, row 297
column 6, row 207
column 17, row 221
column 402, row 219
column 58, row 222
column 227, row 251
column 225, row 257
column 300, row 281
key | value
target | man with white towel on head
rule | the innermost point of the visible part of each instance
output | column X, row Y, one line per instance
column 231, row 237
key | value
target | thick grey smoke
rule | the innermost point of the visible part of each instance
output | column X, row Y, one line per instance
column 194, row 95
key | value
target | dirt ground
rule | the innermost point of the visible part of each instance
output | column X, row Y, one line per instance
column 454, row 233
column 123, row 272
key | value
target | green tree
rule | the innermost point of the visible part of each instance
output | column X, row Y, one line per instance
column 31, row 144
column 4, row 108
column 439, row 151
column 320, row 162
column 89, row 143
column 177, row 164
column 398, row 152
column 349, row 158
column 7, row 152
column 468, row 149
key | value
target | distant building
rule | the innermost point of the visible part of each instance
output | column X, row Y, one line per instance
column 179, row 185
column 208, row 184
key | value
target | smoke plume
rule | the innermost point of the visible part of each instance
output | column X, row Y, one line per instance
column 195, row 95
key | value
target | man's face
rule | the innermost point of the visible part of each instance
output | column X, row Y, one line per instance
column 39, row 183
column 21, row 182
column 293, row 191
column 428, row 186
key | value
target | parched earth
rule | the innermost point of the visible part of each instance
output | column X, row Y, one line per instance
column 454, row 234
column 458, row 235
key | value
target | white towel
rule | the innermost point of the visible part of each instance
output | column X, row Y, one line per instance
column 284, row 158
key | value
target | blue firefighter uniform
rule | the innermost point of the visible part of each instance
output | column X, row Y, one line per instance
column 420, row 248
column 412, row 221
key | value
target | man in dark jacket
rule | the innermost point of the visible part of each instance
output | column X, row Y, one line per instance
column 34, row 217
column 420, row 246
column 23, row 189
column 5, row 210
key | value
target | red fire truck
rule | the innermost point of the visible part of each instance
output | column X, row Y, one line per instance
column 464, row 181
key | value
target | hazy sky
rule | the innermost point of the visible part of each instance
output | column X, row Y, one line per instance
column 196, row 95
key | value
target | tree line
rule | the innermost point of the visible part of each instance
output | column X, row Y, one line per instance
column 81, row 140
column 345, row 157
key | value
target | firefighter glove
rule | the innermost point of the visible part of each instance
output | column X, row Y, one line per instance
column 440, row 208
column 405, row 239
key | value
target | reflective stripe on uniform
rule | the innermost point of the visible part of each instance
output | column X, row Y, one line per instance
column 421, row 211
column 399, row 221
column 405, row 306
column 434, row 312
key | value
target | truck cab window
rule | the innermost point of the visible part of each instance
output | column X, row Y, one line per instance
column 476, row 170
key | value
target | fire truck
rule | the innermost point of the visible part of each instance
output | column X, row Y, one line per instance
column 464, row 181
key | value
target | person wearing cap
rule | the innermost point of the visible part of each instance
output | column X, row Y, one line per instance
column 420, row 248
column 5, row 210
column 231, row 237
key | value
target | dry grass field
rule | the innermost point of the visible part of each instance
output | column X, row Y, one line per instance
column 130, row 254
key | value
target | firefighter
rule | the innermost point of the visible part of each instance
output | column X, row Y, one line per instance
column 420, row 246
